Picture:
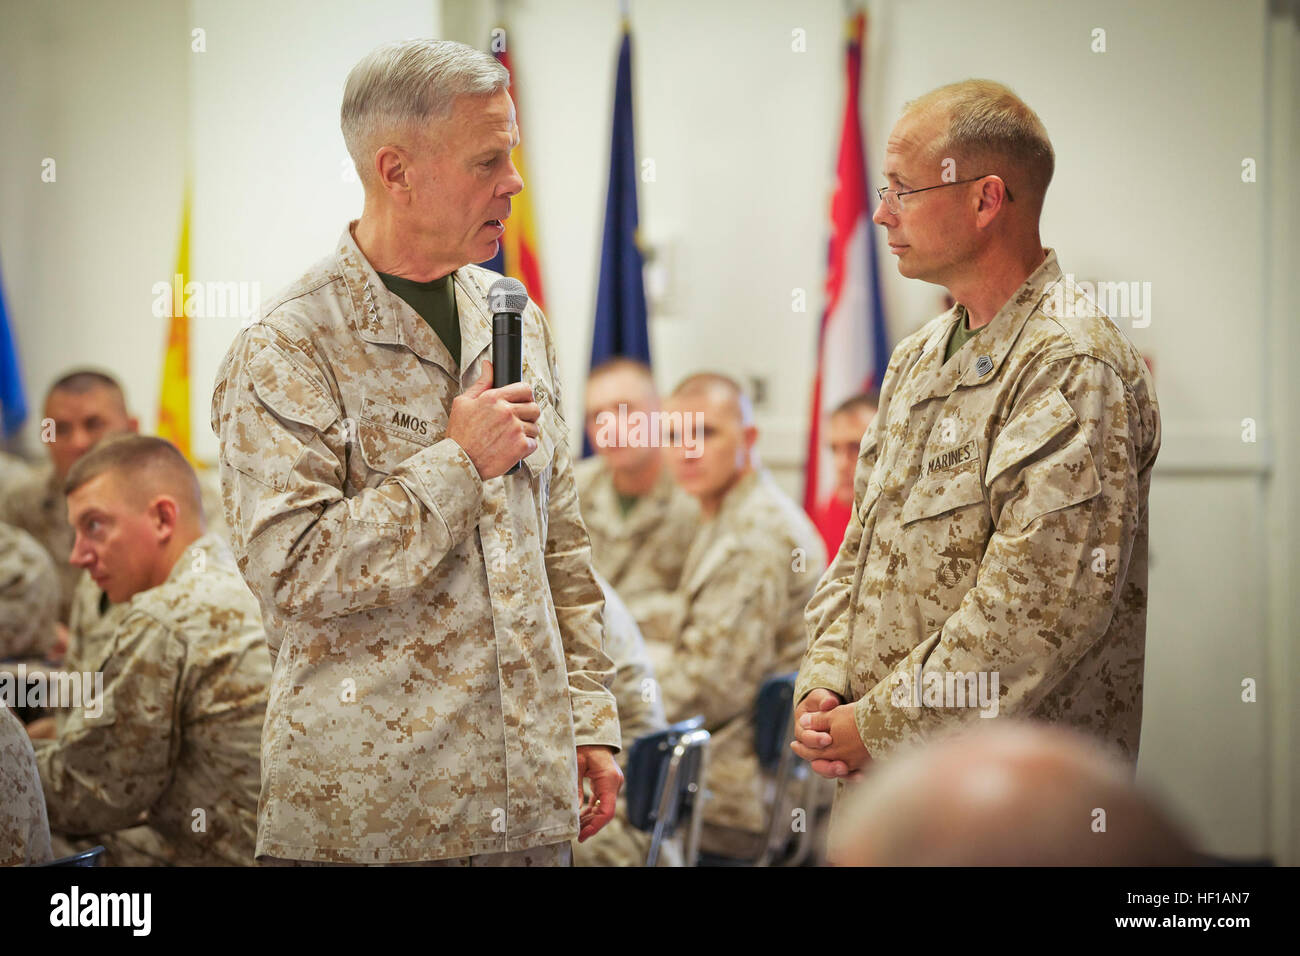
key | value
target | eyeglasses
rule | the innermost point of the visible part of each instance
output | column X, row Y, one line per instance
column 894, row 203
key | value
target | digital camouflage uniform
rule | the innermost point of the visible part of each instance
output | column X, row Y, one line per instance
column 748, row 575
column 641, row 553
column 24, row 827
column 37, row 505
column 1000, row 525
column 438, row 636
column 640, row 712
column 29, row 596
column 92, row 623
column 13, row 472
column 185, row 689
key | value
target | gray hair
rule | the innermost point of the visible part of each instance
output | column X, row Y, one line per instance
column 400, row 86
column 988, row 123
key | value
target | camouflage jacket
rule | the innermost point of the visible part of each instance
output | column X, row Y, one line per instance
column 749, row 573
column 24, row 827
column 438, row 636
column 641, row 553
column 37, row 505
column 640, row 711
column 999, row 529
column 180, row 720
column 29, row 596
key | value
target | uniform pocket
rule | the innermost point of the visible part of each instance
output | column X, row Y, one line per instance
column 943, row 491
column 1066, row 477
column 548, row 437
column 383, row 448
column 1040, row 463
column 279, row 413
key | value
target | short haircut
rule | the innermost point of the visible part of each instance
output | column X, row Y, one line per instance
column 398, row 87
column 863, row 401
column 149, row 463
column 84, row 380
column 619, row 363
column 990, row 131
column 700, row 383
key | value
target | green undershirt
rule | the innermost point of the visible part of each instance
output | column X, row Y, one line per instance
column 625, row 502
column 435, row 302
column 960, row 336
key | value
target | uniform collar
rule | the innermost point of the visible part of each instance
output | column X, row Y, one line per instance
column 657, row 497
column 981, row 357
column 384, row 318
column 734, row 501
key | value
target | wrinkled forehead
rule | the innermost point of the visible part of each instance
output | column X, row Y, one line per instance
column 913, row 142
column 486, row 115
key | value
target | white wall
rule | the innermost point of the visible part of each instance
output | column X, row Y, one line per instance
column 100, row 89
column 1149, row 138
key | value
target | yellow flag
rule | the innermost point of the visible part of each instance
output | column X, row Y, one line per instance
column 174, row 394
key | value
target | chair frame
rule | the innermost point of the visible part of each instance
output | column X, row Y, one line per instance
column 688, row 741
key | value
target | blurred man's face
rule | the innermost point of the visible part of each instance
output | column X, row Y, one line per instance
column 844, row 436
column 80, row 420
column 117, row 538
column 462, row 178
column 934, row 235
column 605, row 393
column 722, row 445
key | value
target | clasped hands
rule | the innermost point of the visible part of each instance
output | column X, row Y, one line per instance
column 826, row 735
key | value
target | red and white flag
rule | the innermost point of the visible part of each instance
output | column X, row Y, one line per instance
column 852, row 353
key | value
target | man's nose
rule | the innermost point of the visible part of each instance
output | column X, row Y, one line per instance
column 882, row 216
column 81, row 556
column 82, row 440
column 514, row 183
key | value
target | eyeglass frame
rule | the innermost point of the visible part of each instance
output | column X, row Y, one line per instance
column 881, row 190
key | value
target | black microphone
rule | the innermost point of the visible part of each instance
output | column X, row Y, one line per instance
column 507, row 299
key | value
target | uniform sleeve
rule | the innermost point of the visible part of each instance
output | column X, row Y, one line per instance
column 104, row 771
column 639, row 709
column 24, row 828
column 1063, row 487
column 302, row 546
column 725, row 646
column 826, row 661
column 577, row 597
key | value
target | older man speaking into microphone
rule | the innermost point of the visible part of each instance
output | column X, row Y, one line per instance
column 440, row 690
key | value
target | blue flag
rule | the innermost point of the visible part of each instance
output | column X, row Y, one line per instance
column 13, row 400
column 620, row 328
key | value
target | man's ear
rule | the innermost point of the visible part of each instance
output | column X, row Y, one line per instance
column 992, row 199
column 391, row 165
column 133, row 425
column 164, row 516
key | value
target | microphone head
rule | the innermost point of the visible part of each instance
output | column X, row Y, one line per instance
column 507, row 295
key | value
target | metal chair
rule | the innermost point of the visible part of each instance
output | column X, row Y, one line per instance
column 91, row 857
column 666, row 774
column 773, row 731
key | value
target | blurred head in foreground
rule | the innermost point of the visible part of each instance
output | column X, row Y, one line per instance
column 1006, row 794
